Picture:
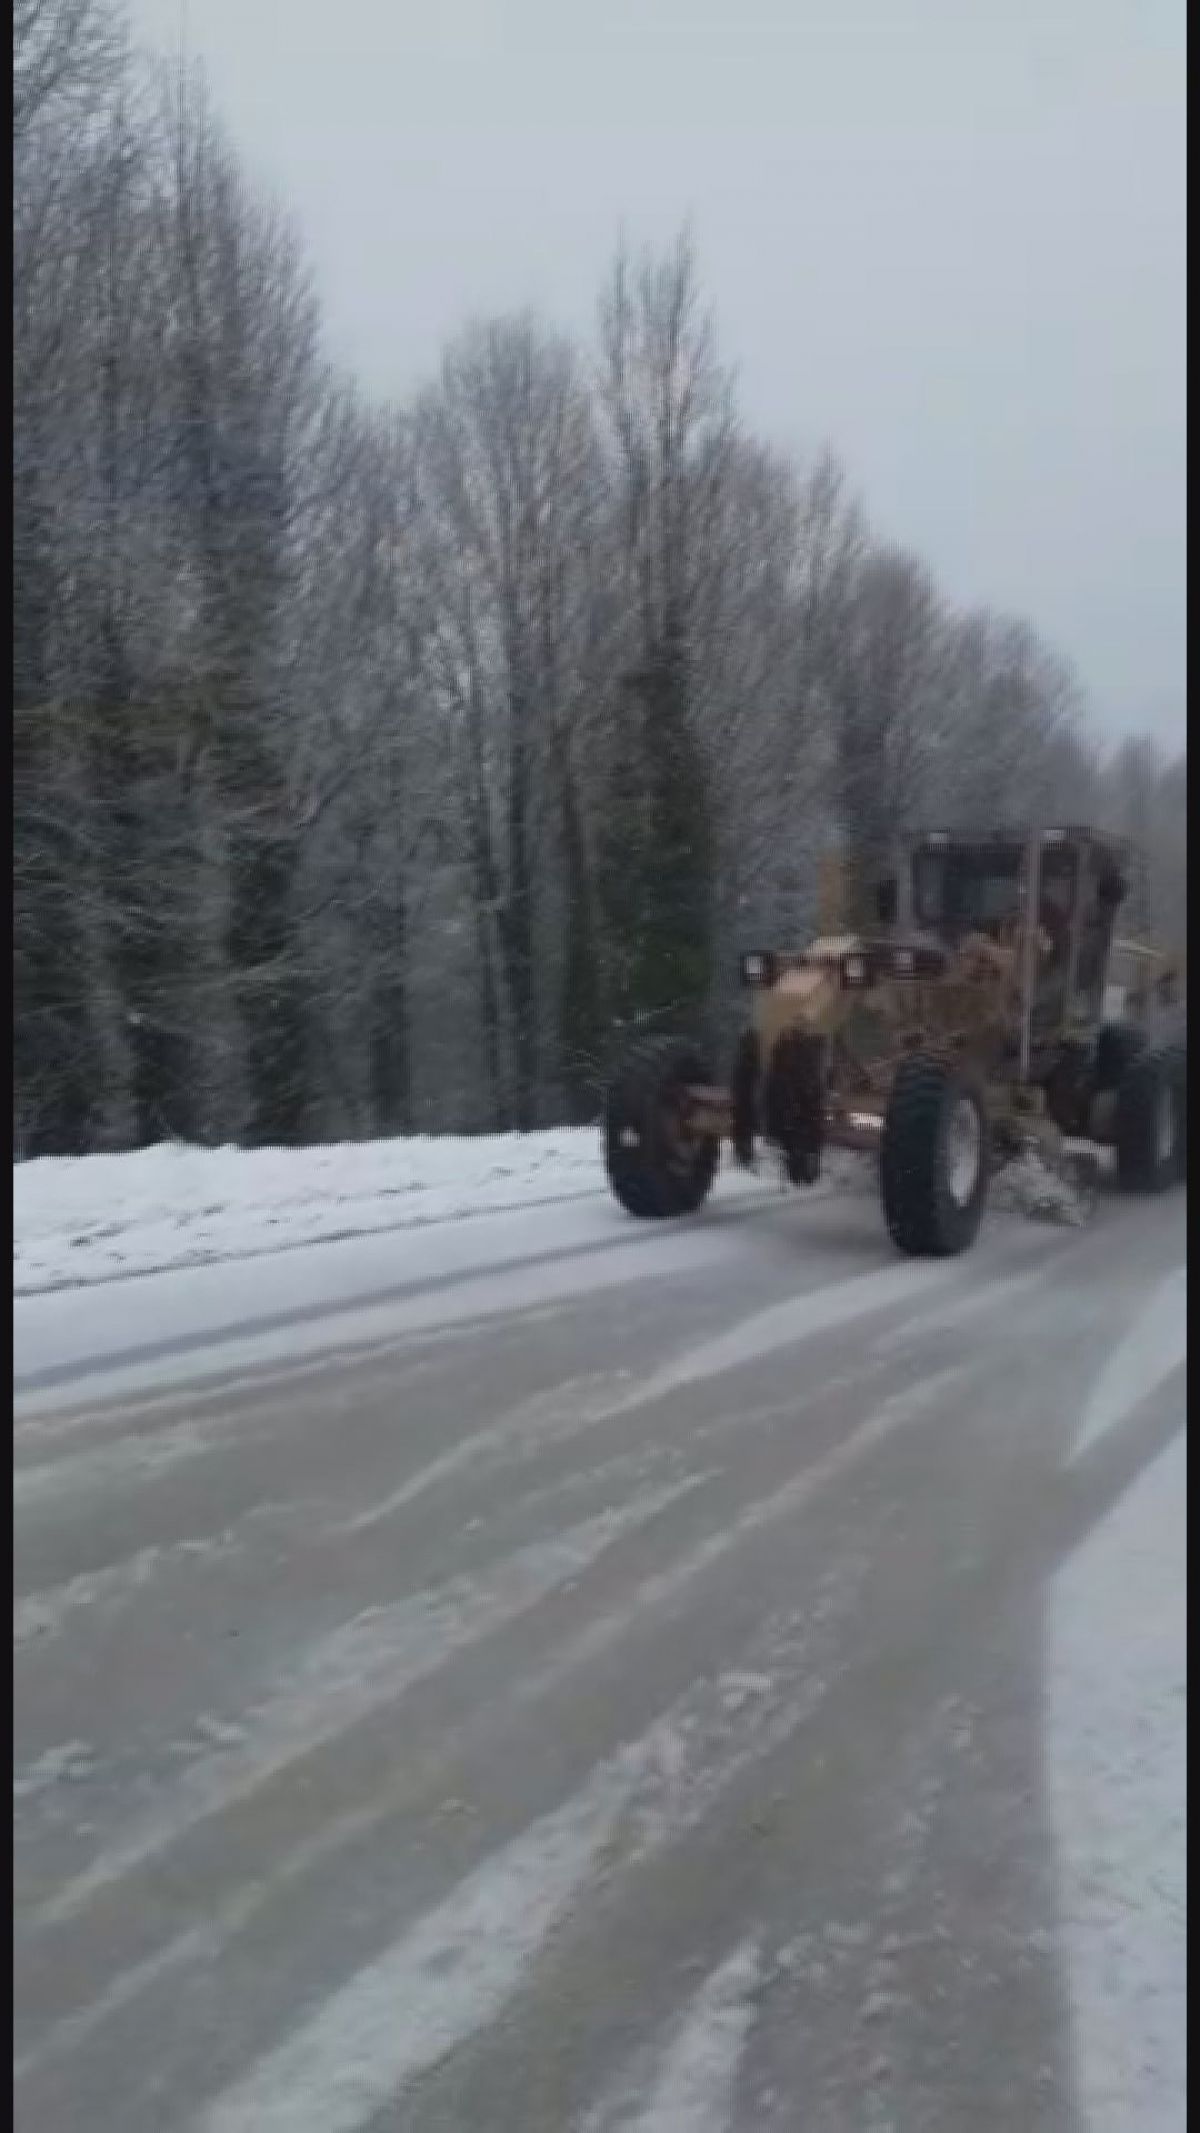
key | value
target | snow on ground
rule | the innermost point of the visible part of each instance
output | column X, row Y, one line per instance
column 91, row 1218
column 216, row 1230
column 1117, row 1744
column 1117, row 1675
column 1148, row 1353
column 96, row 1218
column 1028, row 1186
column 219, row 1231
column 251, row 1312
column 78, row 1220
column 691, row 2090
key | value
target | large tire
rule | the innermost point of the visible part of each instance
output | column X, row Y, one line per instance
column 1150, row 1128
column 1177, row 1058
column 1118, row 1044
column 794, row 1103
column 743, row 1089
column 1070, row 1088
column 654, row 1172
column 934, row 1159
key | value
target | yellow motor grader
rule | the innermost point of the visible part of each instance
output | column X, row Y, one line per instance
column 967, row 1024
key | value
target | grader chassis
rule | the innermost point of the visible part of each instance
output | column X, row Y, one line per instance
column 966, row 1028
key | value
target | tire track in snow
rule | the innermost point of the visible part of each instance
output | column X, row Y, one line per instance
column 961, row 1306
column 49, row 1609
column 1151, row 1350
column 261, row 1393
column 557, row 1415
column 331, row 1693
column 369, row 1662
column 692, row 2087
column 709, row 1736
column 44, row 1613
column 450, row 1975
column 788, row 1324
column 551, row 1417
column 446, row 1978
column 66, row 1760
column 459, row 1301
column 691, row 1751
column 127, row 1463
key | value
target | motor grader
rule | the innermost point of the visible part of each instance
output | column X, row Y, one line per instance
column 963, row 1027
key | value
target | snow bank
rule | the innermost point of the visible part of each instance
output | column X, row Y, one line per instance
column 91, row 1218
column 1027, row 1186
column 78, row 1220
column 1117, row 1740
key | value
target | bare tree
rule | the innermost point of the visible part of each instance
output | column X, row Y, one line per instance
column 375, row 767
column 881, row 674
column 506, row 457
column 670, row 436
column 1144, row 797
column 67, row 56
column 1006, row 721
column 245, row 382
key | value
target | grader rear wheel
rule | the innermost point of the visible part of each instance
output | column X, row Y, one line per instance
column 1151, row 1123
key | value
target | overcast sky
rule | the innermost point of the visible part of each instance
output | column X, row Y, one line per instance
column 946, row 235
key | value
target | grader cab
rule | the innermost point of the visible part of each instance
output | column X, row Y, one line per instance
column 967, row 1024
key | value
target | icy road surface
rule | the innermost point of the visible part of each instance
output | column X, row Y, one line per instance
column 537, row 1673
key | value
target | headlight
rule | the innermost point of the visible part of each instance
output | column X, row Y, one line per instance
column 854, row 970
column 758, row 967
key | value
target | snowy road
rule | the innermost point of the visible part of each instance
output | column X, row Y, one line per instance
column 545, row 1675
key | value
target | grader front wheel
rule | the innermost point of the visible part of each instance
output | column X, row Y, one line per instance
column 656, row 1166
column 933, row 1160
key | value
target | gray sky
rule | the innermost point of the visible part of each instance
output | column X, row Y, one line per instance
column 947, row 235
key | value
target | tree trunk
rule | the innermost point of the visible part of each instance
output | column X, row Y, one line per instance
column 580, row 1030
column 516, row 926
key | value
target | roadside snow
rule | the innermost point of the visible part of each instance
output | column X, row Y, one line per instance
column 1117, row 1742
column 78, row 1220
column 1150, row 1351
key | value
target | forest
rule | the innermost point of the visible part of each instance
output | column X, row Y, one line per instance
column 377, row 767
